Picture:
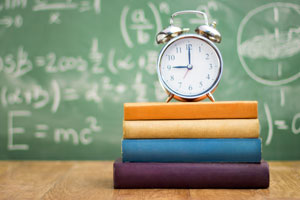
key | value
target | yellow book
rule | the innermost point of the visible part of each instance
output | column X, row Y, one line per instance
column 210, row 128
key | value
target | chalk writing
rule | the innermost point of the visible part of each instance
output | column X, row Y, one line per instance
column 81, row 6
column 139, row 23
column 140, row 88
column 279, row 124
column 13, row 130
column 145, row 61
column 63, row 64
column 8, row 21
column 13, row 4
column 39, row 97
column 54, row 18
column 295, row 127
column 65, row 5
column 83, row 136
column 96, row 57
column 273, row 44
column 18, row 64
column 76, row 137
column 41, row 130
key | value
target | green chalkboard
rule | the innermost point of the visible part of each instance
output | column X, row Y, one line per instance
column 67, row 67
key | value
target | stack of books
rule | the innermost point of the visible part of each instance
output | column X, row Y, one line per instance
column 191, row 145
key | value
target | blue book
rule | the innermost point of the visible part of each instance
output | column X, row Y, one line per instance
column 191, row 150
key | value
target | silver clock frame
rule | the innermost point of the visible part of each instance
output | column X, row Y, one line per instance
column 173, row 94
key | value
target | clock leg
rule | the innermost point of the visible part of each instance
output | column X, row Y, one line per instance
column 210, row 96
column 170, row 97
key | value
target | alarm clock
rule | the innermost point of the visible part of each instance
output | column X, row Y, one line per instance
column 189, row 66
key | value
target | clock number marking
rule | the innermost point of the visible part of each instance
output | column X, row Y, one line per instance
column 200, row 84
column 208, row 77
column 207, row 56
column 188, row 46
column 180, row 83
column 172, row 78
column 199, row 49
column 190, row 87
column 171, row 57
column 178, row 49
column 210, row 66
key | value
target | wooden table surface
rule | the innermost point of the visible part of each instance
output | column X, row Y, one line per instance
column 93, row 180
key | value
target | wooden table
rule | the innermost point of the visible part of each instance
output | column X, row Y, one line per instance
column 93, row 180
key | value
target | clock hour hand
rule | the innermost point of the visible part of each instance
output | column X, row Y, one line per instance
column 180, row 67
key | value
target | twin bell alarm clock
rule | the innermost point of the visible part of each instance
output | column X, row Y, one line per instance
column 189, row 66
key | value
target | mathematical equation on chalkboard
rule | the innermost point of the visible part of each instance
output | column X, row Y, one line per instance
column 41, row 131
column 18, row 64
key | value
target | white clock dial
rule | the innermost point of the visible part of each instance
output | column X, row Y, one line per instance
column 190, row 67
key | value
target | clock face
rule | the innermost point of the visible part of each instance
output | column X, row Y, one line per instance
column 190, row 66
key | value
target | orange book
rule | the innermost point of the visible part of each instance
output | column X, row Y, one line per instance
column 191, row 110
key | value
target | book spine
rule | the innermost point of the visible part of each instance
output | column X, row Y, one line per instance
column 190, row 175
column 191, row 110
column 225, row 128
column 191, row 150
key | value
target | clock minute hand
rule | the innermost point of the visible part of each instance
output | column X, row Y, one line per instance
column 180, row 67
column 189, row 54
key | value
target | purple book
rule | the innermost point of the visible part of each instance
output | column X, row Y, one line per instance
column 190, row 175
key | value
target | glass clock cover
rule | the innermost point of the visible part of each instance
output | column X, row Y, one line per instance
column 190, row 66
